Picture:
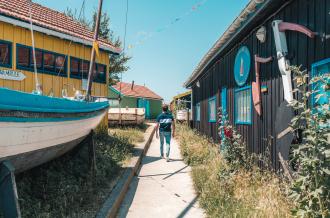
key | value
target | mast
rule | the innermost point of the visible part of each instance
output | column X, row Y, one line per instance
column 92, row 62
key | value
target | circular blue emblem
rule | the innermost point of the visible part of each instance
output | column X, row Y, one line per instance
column 242, row 65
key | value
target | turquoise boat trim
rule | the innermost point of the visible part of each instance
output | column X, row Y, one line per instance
column 42, row 120
column 21, row 101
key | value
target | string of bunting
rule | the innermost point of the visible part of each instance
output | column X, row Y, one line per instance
column 147, row 35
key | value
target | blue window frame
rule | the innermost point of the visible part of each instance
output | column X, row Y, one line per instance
column 212, row 109
column 243, row 105
column 5, row 54
column 224, row 100
column 198, row 112
column 47, row 62
column 318, row 69
column 79, row 70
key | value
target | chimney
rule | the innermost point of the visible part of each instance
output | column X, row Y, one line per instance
column 132, row 85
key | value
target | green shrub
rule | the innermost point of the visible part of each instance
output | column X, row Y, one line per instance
column 311, row 187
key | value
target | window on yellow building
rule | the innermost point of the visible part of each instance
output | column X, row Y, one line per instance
column 79, row 70
column 49, row 61
column 101, row 73
column 46, row 61
column 5, row 54
column 38, row 59
column 23, row 54
column 74, row 68
column 60, row 64
column 84, row 68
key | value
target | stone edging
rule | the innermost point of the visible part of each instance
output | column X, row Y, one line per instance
column 113, row 202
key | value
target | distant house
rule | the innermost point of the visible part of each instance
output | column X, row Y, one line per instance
column 135, row 96
column 185, row 98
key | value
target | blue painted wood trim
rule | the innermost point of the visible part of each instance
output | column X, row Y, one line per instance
column 235, row 109
column 224, row 99
column 41, row 120
column 21, row 101
column 314, row 73
column 10, row 55
column 214, row 98
column 198, row 109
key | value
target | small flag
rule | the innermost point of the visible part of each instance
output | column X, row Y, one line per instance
column 96, row 48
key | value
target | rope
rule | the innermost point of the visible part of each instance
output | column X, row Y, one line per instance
column 126, row 18
column 68, row 50
column 33, row 49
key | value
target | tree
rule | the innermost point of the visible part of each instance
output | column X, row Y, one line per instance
column 118, row 63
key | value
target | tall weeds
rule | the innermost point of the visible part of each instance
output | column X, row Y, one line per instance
column 225, row 192
column 65, row 187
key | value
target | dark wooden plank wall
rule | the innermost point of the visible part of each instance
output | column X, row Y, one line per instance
column 312, row 13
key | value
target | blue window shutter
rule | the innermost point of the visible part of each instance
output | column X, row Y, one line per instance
column 224, row 100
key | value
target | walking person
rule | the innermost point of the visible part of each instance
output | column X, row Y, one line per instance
column 165, row 121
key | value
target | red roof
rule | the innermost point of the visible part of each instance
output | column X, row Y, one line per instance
column 49, row 19
column 137, row 91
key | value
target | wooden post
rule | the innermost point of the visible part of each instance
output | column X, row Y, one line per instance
column 136, row 116
column 8, row 191
column 91, row 151
column 285, row 166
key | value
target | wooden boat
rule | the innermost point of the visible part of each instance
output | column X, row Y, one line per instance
column 35, row 129
column 126, row 116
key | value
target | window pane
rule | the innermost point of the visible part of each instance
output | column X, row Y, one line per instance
column 95, row 75
column 212, row 110
column 197, row 111
column 49, row 61
column 84, row 67
column 23, row 56
column 60, row 64
column 4, row 54
column 101, row 74
column 74, row 67
column 38, row 59
column 243, row 106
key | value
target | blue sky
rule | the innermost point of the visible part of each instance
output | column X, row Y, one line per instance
column 166, row 58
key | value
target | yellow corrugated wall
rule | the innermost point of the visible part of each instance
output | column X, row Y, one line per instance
column 15, row 34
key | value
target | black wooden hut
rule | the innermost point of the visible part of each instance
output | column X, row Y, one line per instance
column 260, row 30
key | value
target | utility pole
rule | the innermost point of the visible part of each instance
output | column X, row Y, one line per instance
column 92, row 62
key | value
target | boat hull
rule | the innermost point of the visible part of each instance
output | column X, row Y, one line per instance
column 36, row 128
column 29, row 144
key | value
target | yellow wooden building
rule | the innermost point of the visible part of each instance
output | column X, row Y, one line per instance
column 62, row 49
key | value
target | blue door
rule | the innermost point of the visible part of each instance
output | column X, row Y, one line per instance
column 144, row 103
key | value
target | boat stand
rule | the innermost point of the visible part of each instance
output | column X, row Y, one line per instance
column 8, row 192
column 91, row 153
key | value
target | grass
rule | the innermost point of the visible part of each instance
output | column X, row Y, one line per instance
column 224, row 193
column 65, row 187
